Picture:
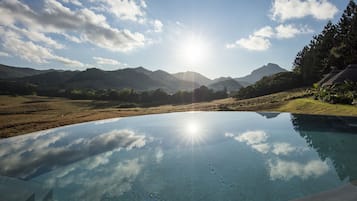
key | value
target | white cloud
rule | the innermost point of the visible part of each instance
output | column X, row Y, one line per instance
column 286, row 170
column 266, row 31
column 106, row 61
column 4, row 54
column 126, row 9
column 30, row 51
column 55, row 18
column 38, row 37
column 74, row 2
column 157, row 26
column 256, row 43
column 289, row 9
column 260, row 40
column 290, row 31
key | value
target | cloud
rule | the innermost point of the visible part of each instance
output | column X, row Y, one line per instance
column 74, row 2
column 292, row 9
column 126, row 9
column 290, row 31
column 80, row 25
column 285, row 170
column 260, row 40
column 255, row 43
column 157, row 26
column 4, row 54
column 31, row 155
column 106, row 61
column 30, row 51
column 266, row 32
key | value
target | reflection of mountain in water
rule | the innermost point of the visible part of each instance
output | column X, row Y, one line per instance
column 269, row 115
column 333, row 138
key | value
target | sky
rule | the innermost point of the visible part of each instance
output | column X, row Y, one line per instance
column 213, row 37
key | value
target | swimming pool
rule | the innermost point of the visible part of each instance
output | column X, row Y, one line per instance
column 185, row 156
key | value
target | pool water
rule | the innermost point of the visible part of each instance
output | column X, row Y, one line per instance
column 185, row 156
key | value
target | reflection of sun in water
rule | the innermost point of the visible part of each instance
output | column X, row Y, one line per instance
column 192, row 132
column 192, row 128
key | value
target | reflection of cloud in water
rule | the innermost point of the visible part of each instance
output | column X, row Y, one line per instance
column 106, row 180
column 252, row 137
column 262, row 148
column 255, row 139
column 285, row 170
column 105, row 121
column 31, row 155
column 159, row 155
column 229, row 135
column 283, row 148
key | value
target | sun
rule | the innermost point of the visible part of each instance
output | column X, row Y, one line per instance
column 193, row 50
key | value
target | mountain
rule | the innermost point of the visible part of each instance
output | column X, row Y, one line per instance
column 171, row 82
column 125, row 78
column 139, row 79
column 8, row 72
column 220, row 79
column 191, row 76
column 229, row 84
column 257, row 74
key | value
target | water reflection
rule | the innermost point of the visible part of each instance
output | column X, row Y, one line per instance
column 146, row 158
column 33, row 155
column 333, row 138
column 192, row 132
column 94, row 179
column 283, row 148
column 281, row 169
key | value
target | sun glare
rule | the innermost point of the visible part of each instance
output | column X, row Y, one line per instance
column 193, row 50
column 192, row 132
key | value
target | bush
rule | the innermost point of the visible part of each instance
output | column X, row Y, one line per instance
column 344, row 93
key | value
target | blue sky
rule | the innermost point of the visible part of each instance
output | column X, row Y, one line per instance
column 215, row 38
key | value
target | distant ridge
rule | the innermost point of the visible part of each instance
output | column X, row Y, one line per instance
column 257, row 74
column 193, row 77
column 7, row 72
column 228, row 84
column 139, row 78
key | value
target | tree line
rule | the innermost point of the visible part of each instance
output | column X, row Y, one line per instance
column 334, row 47
column 128, row 96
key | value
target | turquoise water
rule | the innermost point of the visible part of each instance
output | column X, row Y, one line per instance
column 183, row 156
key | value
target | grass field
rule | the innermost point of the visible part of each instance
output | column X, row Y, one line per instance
column 25, row 114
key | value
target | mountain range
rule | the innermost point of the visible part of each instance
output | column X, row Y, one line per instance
column 139, row 78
